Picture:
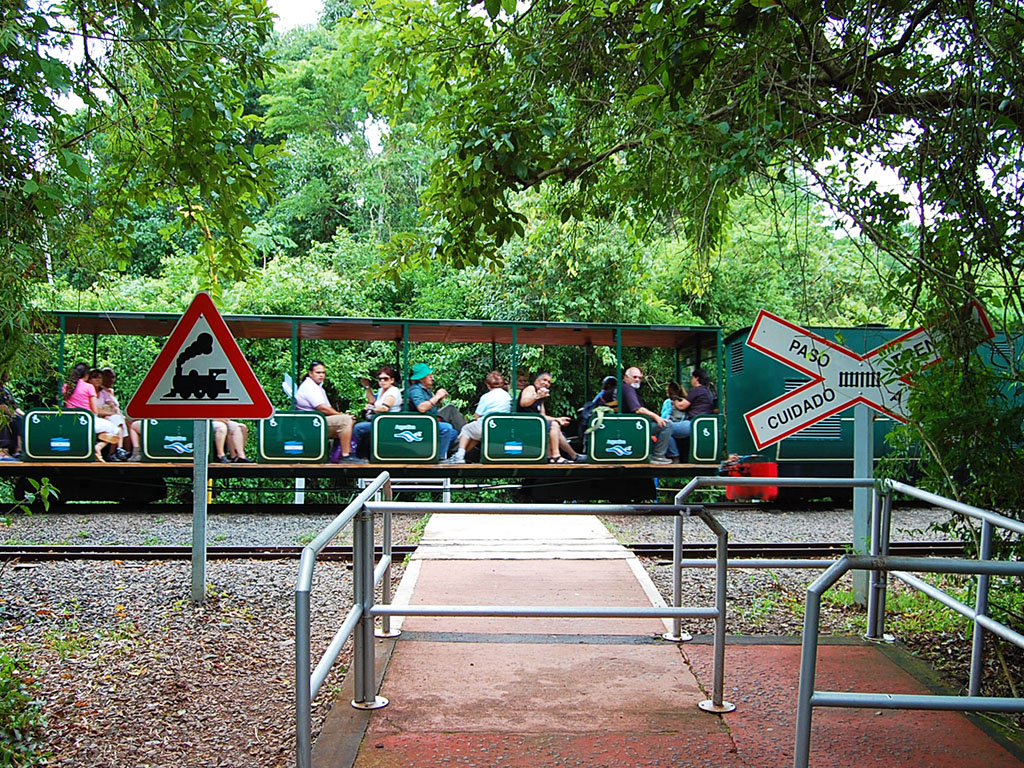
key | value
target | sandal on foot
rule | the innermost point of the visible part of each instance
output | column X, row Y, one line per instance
column 558, row 460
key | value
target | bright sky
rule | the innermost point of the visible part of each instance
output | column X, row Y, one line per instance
column 295, row 13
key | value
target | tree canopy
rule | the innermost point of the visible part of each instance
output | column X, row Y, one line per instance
column 660, row 111
column 161, row 89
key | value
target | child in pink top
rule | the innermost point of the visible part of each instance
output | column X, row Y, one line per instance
column 81, row 396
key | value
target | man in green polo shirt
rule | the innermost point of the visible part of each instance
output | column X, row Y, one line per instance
column 422, row 397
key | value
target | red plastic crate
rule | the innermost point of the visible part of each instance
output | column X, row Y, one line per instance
column 758, row 469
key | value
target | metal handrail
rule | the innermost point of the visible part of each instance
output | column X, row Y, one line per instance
column 704, row 481
column 880, row 534
column 880, row 563
column 308, row 685
column 676, row 612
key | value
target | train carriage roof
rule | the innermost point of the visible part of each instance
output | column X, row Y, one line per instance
column 371, row 329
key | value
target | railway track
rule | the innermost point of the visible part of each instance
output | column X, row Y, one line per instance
column 777, row 550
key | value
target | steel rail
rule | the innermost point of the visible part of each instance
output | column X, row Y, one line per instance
column 779, row 551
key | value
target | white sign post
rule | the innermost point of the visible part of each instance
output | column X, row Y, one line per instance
column 840, row 379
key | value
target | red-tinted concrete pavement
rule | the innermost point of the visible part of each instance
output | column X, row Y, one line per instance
column 533, row 693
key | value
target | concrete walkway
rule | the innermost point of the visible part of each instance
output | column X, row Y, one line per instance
column 538, row 692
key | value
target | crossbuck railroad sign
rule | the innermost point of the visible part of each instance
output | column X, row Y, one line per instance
column 839, row 378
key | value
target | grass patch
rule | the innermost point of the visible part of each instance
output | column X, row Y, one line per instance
column 417, row 528
column 21, row 719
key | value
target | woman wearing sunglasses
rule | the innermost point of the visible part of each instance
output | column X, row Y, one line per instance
column 387, row 399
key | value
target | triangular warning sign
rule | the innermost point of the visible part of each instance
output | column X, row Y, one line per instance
column 200, row 373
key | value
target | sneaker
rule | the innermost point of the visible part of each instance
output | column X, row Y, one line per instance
column 223, row 460
column 241, row 460
column 135, row 458
column 121, row 454
column 581, row 458
column 455, row 460
column 350, row 459
column 660, row 460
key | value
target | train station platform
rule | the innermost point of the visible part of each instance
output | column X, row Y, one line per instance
column 608, row 693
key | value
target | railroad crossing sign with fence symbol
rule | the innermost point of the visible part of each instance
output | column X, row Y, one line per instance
column 200, row 373
column 839, row 378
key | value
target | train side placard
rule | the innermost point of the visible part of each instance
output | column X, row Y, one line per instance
column 200, row 373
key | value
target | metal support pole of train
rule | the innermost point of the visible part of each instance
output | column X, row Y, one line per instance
column 863, row 466
column 200, row 472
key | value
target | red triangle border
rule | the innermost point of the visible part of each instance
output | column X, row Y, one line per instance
column 202, row 306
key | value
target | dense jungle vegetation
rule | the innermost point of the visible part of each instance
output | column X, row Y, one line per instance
column 664, row 161
column 686, row 162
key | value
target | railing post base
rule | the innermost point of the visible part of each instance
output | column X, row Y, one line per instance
column 682, row 637
column 380, row 634
column 379, row 702
column 720, row 709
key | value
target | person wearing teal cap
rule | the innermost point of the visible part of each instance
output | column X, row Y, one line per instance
column 424, row 398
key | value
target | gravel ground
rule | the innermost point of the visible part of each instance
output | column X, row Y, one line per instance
column 132, row 673
column 757, row 597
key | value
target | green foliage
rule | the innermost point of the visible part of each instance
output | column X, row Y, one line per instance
column 967, row 430
column 648, row 110
column 161, row 88
column 778, row 252
column 21, row 718
column 344, row 168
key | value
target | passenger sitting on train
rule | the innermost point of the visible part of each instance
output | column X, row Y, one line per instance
column 229, row 441
column 12, row 423
column 80, row 392
column 670, row 410
column 110, row 409
column 606, row 398
column 661, row 433
column 533, row 399
column 697, row 402
column 387, row 399
column 424, row 399
column 495, row 400
column 310, row 396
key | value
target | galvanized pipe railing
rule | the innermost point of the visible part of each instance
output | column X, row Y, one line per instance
column 808, row 697
column 705, row 481
column 308, row 685
column 676, row 612
column 982, row 623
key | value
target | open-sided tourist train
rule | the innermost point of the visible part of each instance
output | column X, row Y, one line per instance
column 290, row 443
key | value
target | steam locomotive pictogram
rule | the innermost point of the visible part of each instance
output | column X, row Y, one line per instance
column 193, row 383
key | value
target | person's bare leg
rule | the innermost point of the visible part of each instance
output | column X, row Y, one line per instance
column 220, row 438
column 554, row 431
column 345, row 436
column 563, row 443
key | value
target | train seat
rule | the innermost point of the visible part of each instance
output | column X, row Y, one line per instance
column 171, row 440
column 520, row 438
column 404, row 438
column 704, row 446
column 68, row 434
column 619, row 439
column 293, row 436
